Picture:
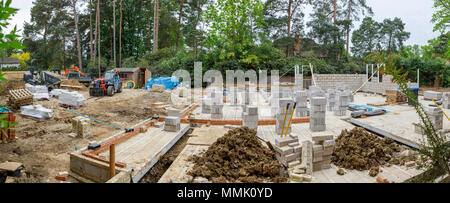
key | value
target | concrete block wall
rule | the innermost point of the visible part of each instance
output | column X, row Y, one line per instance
column 330, row 81
column 380, row 87
column 446, row 100
column 301, row 97
column 318, row 109
column 355, row 81
column 250, row 117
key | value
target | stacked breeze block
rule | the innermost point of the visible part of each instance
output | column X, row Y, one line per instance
column 287, row 149
column 436, row 118
column 217, row 111
column 342, row 99
column 81, row 126
column 172, row 122
column 315, row 92
column 206, row 105
column 302, row 172
column 317, row 118
column 428, row 95
column 250, row 117
column 322, row 150
column 301, row 98
column 286, row 92
column 331, row 99
column 446, row 100
column 280, row 117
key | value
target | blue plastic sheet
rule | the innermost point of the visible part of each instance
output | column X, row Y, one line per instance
column 4, row 110
column 169, row 82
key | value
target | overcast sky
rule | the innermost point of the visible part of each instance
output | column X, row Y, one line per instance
column 415, row 13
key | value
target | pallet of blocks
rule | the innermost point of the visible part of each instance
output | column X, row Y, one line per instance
column 20, row 97
column 323, row 146
column 302, row 171
column 287, row 149
column 81, row 127
column 395, row 97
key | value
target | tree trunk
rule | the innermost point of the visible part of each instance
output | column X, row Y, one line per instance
column 90, row 31
column 96, row 37
column 156, row 27
column 80, row 60
column 114, row 32
column 179, row 24
column 389, row 44
column 120, row 36
column 348, row 29
column 334, row 11
column 289, row 18
column 99, row 40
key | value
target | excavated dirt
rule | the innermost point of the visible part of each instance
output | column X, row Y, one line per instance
column 361, row 150
column 237, row 157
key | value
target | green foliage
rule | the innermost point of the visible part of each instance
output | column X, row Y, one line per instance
column 441, row 16
column 388, row 35
column 435, row 154
column 230, row 25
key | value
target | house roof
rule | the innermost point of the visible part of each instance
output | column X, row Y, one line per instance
column 127, row 70
column 9, row 60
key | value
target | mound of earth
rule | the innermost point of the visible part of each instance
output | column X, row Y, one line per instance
column 361, row 150
column 237, row 157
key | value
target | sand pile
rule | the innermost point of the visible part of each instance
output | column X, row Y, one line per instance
column 238, row 157
column 361, row 150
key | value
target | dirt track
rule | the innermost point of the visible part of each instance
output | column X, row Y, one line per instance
column 44, row 146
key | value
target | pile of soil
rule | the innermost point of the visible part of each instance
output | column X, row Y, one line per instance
column 237, row 157
column 361, row 150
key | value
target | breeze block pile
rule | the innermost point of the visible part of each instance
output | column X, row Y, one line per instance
column 172, row 122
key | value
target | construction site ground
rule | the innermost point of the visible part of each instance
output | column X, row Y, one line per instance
column 399, row 122
column 44, row 146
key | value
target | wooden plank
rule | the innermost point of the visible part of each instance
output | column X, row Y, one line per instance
column 10, row 166
column 142, row 171
column 206, row 136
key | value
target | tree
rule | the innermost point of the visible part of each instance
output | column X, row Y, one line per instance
column 194, row 36
column 230, row 25
column 284, row 17
column 90, row 30
column 120, row 34
column 180, row 16
column 50, row 35
column 114, row 32
column 98, row 38
column 354, row 9
column 395, row 34
column 441, row 16
column 156, row 26
column 77, row 33
column 366, row 39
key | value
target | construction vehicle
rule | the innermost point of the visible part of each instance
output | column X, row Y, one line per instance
column 36, row 76
column 81, row 77
column 109, row 85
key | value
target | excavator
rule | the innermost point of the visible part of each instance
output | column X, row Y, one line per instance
column 76, row 74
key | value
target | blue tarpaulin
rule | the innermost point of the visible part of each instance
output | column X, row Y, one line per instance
column 169, row 82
